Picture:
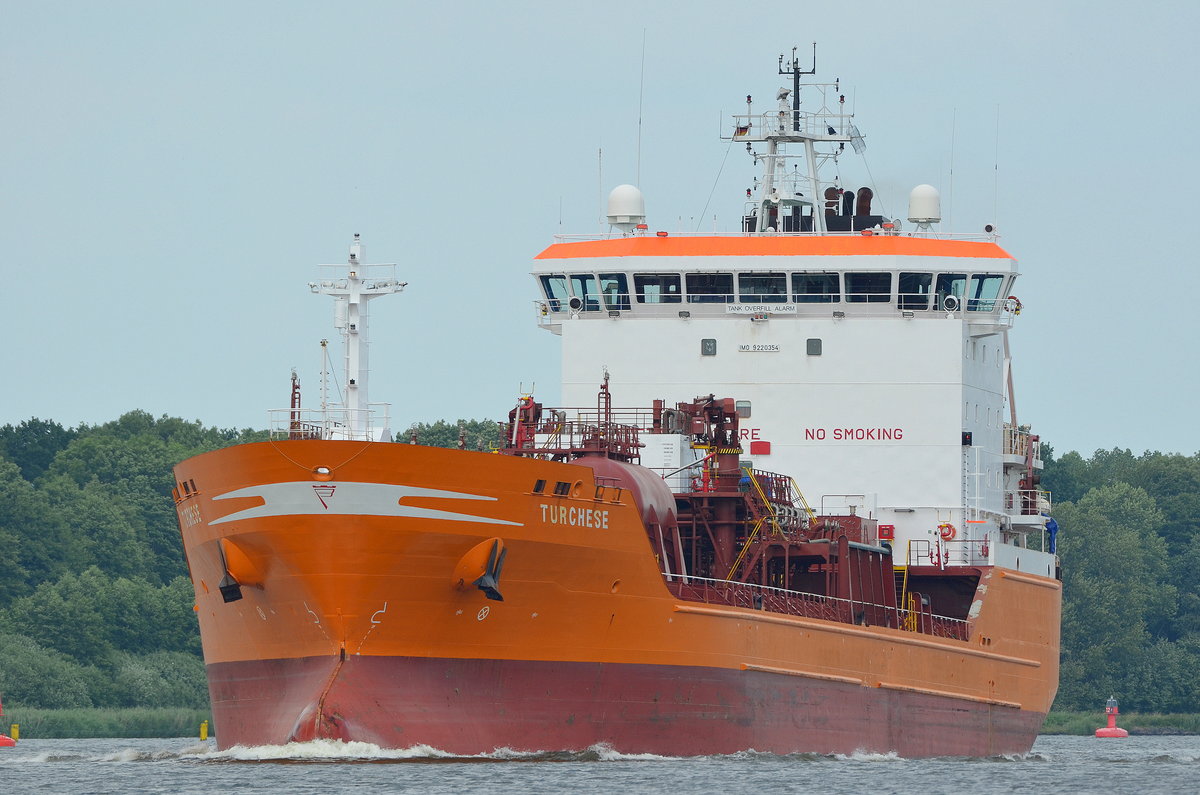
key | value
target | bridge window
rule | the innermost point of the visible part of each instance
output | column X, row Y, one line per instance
column 984, row 292
column 657, row 288
column 954, row 284
column 914, row 289
column 762, row 288
column 583, row 285
column 710, row 288
column 555, row 288
column 868, row 287
column 615, row 290
column 816, row 288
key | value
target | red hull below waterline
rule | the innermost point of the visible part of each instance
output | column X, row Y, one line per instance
column 466, row 706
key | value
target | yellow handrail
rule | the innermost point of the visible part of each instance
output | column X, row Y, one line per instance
column 910, row 620
column 745, row 547
column 812, row 515
column 763, row 496
column 903, row 583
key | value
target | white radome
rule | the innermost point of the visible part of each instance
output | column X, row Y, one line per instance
column 924, row 205
column 626, row 208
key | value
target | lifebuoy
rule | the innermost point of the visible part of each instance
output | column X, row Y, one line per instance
column 1013, row 304
column 946, row 531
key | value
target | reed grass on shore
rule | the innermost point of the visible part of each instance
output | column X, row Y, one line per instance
column 60, row 724
column 1086, row 723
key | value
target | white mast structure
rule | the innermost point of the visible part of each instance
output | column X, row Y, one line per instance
column 791, row 125
column 352, row 291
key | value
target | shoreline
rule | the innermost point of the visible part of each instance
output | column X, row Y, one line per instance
column 174, row 722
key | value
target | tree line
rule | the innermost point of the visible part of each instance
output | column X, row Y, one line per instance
column 1130, row 530
column 96, row 604
column 95, row 599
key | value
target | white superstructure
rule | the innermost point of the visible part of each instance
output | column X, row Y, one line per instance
column 869, row 364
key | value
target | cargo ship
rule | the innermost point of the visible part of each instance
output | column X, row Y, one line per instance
column 787, row 505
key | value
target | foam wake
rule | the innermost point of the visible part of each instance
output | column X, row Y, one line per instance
column 318, row 751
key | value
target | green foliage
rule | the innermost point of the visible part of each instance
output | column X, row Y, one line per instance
column 12, row 574
column 91, row 615
column 1086, row 723
column 161, row 679
column 1113, row 568
column 477, row 434
column 95, row 605
column 33, row 674
column 33, row 444
column 42, row 547
column 1130, row 547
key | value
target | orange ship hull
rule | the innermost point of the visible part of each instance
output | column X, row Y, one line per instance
column 355, row 621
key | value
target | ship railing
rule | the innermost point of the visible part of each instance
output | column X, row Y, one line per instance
column 552, row 437
column 955, row 552
column 1028, row 502
column 330, row 423
column 1017, row 442
column 756, row 126
column 576, row 238
column 779, row 492
column 808, row 605
column 638, row 417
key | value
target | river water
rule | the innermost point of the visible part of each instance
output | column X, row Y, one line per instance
column 1056, row 764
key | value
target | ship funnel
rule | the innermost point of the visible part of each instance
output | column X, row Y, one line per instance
column 924, row 206
column 626, row 208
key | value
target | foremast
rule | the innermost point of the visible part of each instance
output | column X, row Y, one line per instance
column 352, row 286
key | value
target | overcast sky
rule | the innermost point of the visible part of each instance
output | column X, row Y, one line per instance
column 171, row 173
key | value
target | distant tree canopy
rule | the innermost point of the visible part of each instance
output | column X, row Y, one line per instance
column 476, row 434
column 1130, row 551
column 96, row 606
column 95, row 601
column 33, row 444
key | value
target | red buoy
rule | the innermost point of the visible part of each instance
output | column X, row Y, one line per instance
column 5, row 740
column 1111, row 730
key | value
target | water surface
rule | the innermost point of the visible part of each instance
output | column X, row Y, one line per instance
column 1057, row 764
